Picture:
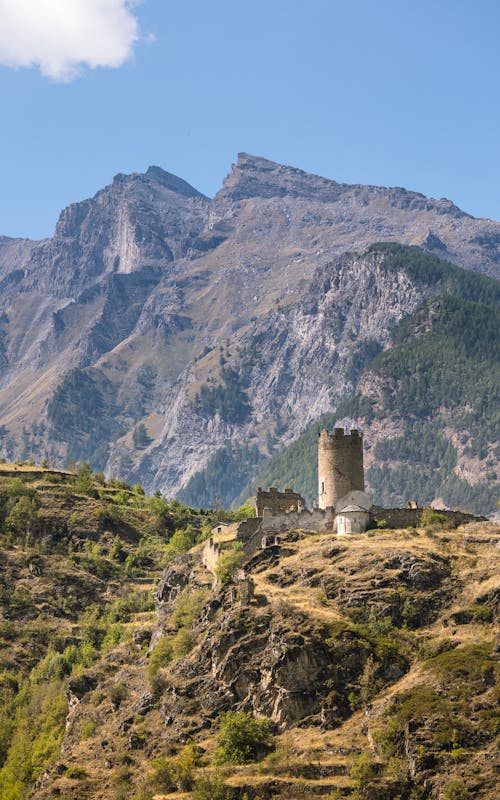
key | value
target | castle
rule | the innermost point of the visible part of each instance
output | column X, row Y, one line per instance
column 343, row 505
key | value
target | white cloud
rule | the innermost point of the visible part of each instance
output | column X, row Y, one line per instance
column 61, row 36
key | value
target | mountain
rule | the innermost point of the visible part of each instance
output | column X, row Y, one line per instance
column 160, row 332
column 362, row 667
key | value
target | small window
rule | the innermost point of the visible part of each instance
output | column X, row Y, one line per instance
column 322, row 487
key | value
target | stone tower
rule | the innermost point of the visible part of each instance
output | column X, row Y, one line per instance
column 340, row 465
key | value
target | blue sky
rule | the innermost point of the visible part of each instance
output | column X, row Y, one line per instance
column 389, row 92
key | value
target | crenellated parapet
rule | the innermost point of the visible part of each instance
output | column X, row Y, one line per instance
column 278, row 502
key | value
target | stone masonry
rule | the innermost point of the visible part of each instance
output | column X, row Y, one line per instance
column 278, row 502
column 340, row 465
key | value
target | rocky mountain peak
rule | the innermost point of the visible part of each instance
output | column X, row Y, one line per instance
column 253, row 176
column 155, row 175
column 172, row 182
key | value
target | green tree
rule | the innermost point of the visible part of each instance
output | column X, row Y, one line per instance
column 23, row 517
column 362, row 773
column 456, row 790
column 241, row 737
column 84, row 482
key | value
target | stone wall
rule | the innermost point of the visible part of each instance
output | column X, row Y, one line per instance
column 316, row 520
column 277, row 501
column 411, row 517
column 210, row 555
column 247, row 528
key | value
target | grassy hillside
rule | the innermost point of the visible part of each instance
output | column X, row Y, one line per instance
column 80, row 558
column 361, row 668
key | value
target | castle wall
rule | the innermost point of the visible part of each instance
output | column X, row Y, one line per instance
column 411, row 517
column 250, row 533
column 316, row 520
column 277, row 501
column 340, row 465
column 210, row 555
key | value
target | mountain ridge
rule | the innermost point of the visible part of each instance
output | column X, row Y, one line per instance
column 148, row 286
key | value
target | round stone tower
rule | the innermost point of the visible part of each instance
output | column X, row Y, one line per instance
column 340, row 465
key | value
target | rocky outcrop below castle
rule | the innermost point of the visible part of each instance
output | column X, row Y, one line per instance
column 159, row 330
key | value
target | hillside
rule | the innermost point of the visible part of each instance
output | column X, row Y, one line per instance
column 372, row 659
column 425, row 389
column 159, row 331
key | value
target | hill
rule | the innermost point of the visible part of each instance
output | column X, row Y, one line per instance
column 362, row 667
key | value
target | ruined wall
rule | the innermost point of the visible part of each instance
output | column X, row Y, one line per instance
column 340, row 465
column 250, row 533
column 210, row 555
column 316, row 520
column 411, row 517
column 247, row 528
column 277, row 501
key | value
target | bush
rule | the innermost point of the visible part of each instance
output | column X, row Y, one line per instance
column 241, row 737
column 181, row 541
column 117, row 693
column 211, row 789
column 176, row 772
column 455, row 790
column 76, row 773
column 431, row 519
column 84, row 482
column 188, row 606
column 481, row 613
column 229, row 562
column 87, row 728
column 160, row 657
column 362, row 773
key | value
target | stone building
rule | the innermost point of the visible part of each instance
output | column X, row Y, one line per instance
column 278, row 502
column 340, row 465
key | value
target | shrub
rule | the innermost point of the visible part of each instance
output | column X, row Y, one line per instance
column 455, row 790
column 84, row 482
column 211, row 789
column 188, row 606
column 76, row 773
column 117, row 693
column 431, row 519
column 160, row 657
column 178, row 771
column 183, row 642
column 23, row 516
column 181, row 541
column 244, row 512
column 362, row 772
column 481, row 613
column 229, row 562
column 87, row 728
column 241, row 737
column 469, row 668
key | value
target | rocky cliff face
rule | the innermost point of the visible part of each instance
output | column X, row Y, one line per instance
column 150, row 291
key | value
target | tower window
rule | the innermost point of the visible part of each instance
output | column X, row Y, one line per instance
column 322, row 487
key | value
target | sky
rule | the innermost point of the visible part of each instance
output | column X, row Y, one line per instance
column 385, row 92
